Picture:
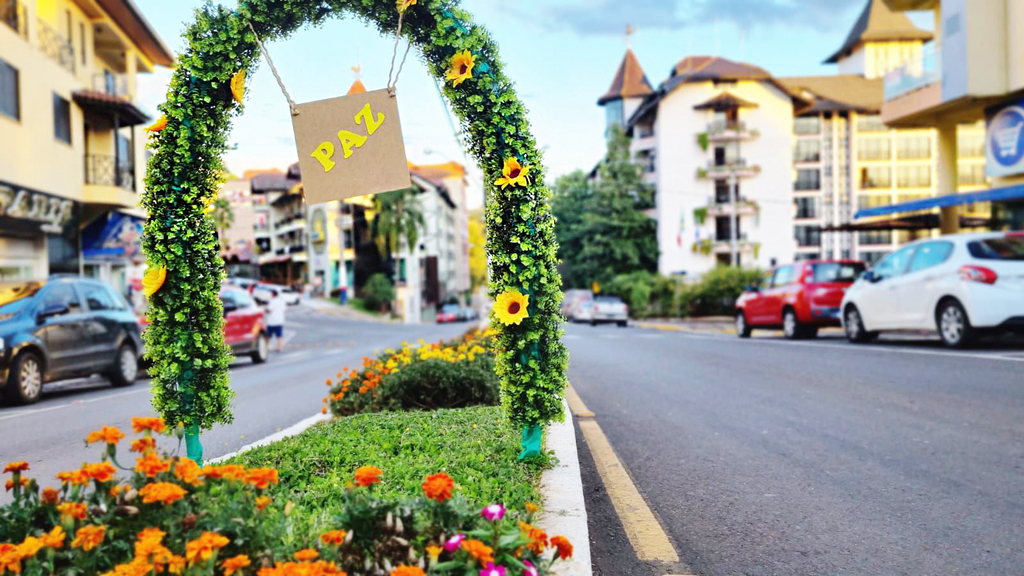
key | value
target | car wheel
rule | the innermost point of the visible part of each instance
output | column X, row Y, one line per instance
column 791, row 327
column 743, row 329
column 622, row 323
column 593, row 322
column 25, row 383
column 810, row 332
column 854, row 326
column 262, row 351
column 954, row 326
column 126, row 367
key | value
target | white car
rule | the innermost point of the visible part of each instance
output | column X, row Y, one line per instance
column 582, row 312
column 961, row 286
column 261, row 294
column 610, row 309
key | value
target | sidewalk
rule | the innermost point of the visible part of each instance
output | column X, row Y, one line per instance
column 348, row 312
column 703, row 324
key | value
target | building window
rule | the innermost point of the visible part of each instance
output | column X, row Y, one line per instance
column 911, row 197
column 872, row 200
column 81, row 41
column 613, row 114
column 971, row 174
column 871, row 124
column 808, row 180
column 875, row 177
column 807, row 150
column 722, row 227
column 914, row 176
column 913, row 147
column 874, row 237
column 807, row 125
column 874, row 149
column 61, row 119
column 807, row 236
column 806, row 207
column 722, row 191
column 970, row 144
column 10, row 102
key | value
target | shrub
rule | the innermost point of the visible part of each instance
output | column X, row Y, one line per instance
column 650, row 295
column 716, row 292
column 378, row 292
column 646, row 294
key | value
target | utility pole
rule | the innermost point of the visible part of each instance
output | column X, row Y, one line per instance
column 733, row 216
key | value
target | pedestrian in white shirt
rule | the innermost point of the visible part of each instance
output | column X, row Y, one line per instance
column 275, row 318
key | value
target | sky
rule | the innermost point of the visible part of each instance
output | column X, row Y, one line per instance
column 562, row 55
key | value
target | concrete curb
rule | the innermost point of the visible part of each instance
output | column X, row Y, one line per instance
column 292, row 430
column 565, row 511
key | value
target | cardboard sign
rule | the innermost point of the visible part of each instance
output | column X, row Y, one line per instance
column 350, row 146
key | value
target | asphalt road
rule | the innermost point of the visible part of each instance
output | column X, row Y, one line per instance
column 765, row 456
column 269, row 397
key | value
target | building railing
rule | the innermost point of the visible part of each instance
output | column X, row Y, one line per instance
column 56, row 46
column 738, row 167
column 720, row 126
column 13, row 14
column 112, row 84
column 104, row 170
column 915, row 74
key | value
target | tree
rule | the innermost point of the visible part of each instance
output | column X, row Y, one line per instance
column 398, row 218
column 602, row 229
column 477, row 253
column 223, row 218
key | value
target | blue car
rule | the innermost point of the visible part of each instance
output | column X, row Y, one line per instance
column 64, row 327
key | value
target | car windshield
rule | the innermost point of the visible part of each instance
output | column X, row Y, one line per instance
column 450, row 309
column 14, row 296
column 609, row 300
column 836, row 271
column 1005, row 248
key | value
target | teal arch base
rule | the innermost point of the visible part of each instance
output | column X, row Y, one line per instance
column 192, row 446
column 531, row 442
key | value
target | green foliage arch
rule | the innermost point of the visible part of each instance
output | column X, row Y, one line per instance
column 185, row 339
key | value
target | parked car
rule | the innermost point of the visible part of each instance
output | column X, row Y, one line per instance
column 261, row 293
column 572, row 298
column 448, row 313
column 609, row 309
column 469, row 314
column 64, row 327
column 961, row 286
column 798, row 298
column 245, row 328
column 583, row 311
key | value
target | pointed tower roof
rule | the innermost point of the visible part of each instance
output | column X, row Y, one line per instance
column 878, row 22
column 630, row 81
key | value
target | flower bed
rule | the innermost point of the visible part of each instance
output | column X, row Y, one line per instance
column 443, row 375
column 173, row 516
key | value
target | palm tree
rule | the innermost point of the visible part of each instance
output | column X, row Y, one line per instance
column 223, row 218
column 398, row 218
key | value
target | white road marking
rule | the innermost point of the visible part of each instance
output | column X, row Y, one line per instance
column 70, row 404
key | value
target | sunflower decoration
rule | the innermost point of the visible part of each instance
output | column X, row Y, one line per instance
column 461, row 68
column 238, row 86
column 157, row 126
column 513, row 174
column 403, row 5
column 510, row 307
column 153, row 280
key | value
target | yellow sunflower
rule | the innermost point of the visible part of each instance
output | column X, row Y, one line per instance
column 510, row 307
column 153, row 280
column 157, row 126
column 513, row 174
column 461, row 68
column 404, row 4
column 238, row 85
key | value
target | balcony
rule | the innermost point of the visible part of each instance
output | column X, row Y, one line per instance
column 13, row 14
column 724, row 131
column 115, row 85
column 914, row 75
column 642, row 143
column 737, row 168
column 108, row 182
column 744, row 207
column 57, row 47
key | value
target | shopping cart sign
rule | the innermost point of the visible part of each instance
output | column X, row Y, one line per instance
column 1004, row 141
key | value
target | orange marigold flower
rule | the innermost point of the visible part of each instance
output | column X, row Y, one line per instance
column 433, row 551
column 261, row 477
column 74, row 510
column 49, row 496
column 88, row 537
column 151, row 423
column 228, row 472
column 151, row 464
column 477, row 549
column 137, row 567
column 54, row 538
column 176, row 564
column 100, row 472
column 143, row 445
column 19, row 466
column 163, row 492
column 157, row 126
column 107, row 434
column 202, row 549
column 116, row 491
column 9, row 485
column 10, row 558
column 531, row 507
column 336, row 537
column 561, row 543
column 306, row 555
column 30, row 546
column 235, row 563
column 187, row 471
column 367, row 475
column 73, row 477
column 438, row 487
column 151, row 534
column 408, row 571
column 263, row 501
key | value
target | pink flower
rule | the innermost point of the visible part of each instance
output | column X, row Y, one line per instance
column 453, row 543
column 494, row 512
column 493, row 570
column 530, row 569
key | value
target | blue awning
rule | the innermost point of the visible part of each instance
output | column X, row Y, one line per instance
column 1014, row 192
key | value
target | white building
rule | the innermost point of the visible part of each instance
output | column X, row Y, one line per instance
column 712, row 126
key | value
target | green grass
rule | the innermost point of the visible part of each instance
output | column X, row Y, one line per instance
column 475, row 446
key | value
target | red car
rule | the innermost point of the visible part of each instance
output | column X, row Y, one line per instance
column 799, row 298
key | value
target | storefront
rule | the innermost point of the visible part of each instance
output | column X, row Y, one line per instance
column 38, row 234
column 112, row 252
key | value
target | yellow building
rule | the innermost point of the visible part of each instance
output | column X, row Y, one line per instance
column 72, row 148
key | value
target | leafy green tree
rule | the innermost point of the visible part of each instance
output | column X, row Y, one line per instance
column 602, row 229
column 398, row 218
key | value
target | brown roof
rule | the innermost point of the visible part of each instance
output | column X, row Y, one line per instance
column 838, row 92
column 128, row 114
column 134, row 24
column 701, row 68
column 629, row 82
column 878, row 22
column 725, row 101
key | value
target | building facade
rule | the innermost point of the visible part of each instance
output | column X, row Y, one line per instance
column 72, row 152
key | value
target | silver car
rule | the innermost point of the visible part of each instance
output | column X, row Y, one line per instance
column 610, row 309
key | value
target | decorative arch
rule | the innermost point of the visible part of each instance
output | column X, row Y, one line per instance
column 185, row 339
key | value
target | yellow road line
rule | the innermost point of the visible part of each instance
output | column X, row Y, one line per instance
column 576, row 404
